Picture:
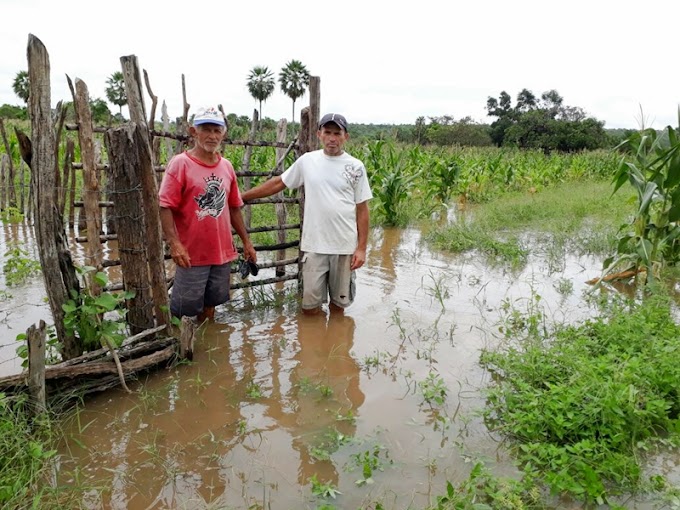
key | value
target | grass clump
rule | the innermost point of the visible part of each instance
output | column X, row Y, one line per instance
column 582, row 217
column 583, row 402
column 24, row 453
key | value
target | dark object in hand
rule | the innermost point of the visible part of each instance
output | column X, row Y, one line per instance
column 247, row 267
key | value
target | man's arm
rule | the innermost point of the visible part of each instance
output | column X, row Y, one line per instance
column 240, row 228
column 266, row 189
column 177, row 250
column 359, row 256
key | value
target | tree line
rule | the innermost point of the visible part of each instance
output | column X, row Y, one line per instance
column 542, row 122
column 293, row 79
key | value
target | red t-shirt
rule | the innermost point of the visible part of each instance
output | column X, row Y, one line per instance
column 199, row 197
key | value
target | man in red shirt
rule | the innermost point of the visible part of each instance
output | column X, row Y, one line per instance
column 200, row 202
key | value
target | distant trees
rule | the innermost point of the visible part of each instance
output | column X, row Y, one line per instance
column 543, row 123
column 115, row 91
column 20, row 86
column 445, row 130
column 261, row 84
column 294, row 80
column 13, row 112
column 100, row 111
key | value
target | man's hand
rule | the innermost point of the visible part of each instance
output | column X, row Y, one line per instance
column 249, row 252
column 179, row 254
column 358, row 259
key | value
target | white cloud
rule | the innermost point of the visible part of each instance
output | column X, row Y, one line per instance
column 381, row 62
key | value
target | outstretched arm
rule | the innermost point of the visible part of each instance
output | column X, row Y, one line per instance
column 359, row 256
column 266, row 189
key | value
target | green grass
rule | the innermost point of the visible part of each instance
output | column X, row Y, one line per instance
column 582, row 216
column 25, row 451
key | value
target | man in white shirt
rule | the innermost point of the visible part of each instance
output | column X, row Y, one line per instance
column 335, row 230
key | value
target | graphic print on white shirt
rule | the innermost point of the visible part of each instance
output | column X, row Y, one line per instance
column 352, row 174
column 211, row 201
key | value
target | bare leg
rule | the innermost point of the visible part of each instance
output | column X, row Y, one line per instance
column 335, row 309
column 207, row 313
column 312, row 311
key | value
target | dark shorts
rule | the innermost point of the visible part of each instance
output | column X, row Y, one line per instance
column 198, row 287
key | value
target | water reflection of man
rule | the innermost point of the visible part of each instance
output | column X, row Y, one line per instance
column 324, row 364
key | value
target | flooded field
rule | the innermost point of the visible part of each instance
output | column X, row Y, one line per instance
column 378, row 408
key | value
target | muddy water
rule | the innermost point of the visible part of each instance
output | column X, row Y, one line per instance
column 20, row 306
column 274, row 399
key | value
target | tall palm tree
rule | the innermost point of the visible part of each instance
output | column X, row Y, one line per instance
column 115, row 92
column 261, row 84
column 294, row 79
column 20, row 85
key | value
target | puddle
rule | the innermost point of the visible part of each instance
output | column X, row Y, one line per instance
column 274, row 399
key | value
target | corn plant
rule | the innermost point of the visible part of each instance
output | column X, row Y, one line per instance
column 653, row 170
column 392, row 179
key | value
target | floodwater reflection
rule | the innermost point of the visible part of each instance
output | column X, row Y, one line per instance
column 274, row 398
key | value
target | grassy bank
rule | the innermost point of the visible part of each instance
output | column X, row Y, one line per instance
column 581, row 216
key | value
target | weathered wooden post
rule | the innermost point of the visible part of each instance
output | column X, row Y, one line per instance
column 280, row 206
column 245, row 166
column 3, row 184
column 303, row 147
column 93, row 248
column 156, row 261
column 68, row 168
column 124, row 167
column 22, row 184
column 166, row 127
column 35, row 337
column 9, row 180
column 187, row 336
column 314, row 113
column 55, row 257
column 72, row 199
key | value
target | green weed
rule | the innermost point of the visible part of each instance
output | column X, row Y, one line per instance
column 582, row 402
column 18, row 266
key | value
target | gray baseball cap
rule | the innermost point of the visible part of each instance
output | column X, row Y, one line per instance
column 335, row 118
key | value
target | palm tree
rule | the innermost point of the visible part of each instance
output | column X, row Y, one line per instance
column 294, row 79
column 20, row 86
column 261, row 84
column 115, row 92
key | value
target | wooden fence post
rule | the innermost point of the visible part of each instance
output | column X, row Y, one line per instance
column 166, row 127
column 303, row 147
column 187, row 335
column 156, row 261
column 68, row 168
column 55, row 257
column 22, row 189
column 93, row 248
column 314, row 113
column 3, row 184
column 10, row 192
column 124, row 168
column 245, row 167
column 35, row 337
column 280, row 206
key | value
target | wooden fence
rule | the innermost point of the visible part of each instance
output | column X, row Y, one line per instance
column 130, row 230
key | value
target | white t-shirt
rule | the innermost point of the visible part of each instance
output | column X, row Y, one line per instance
column 334, row 185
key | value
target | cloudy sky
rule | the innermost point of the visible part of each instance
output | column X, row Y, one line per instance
column 379, row 61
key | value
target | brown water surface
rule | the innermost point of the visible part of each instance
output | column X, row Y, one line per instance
column 274, row 399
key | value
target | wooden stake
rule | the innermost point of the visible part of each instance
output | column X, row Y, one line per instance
column 35, row 338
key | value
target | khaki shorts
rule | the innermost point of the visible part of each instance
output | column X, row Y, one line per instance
column 324, row 276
